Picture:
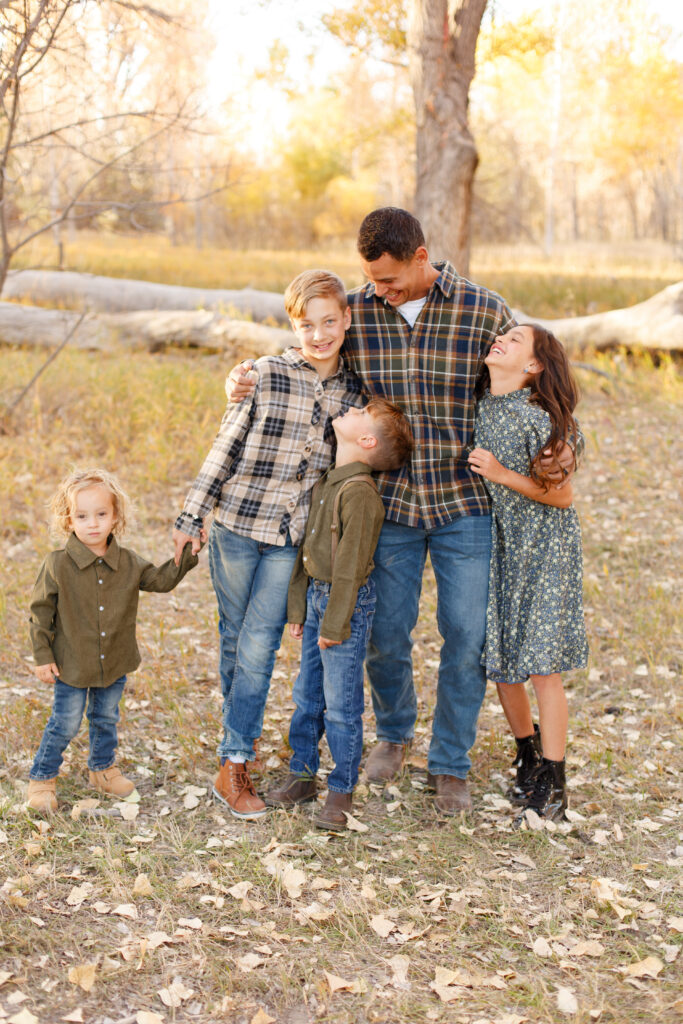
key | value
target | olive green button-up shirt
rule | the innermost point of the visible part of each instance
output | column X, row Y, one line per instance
column 361, row 513
column 84, row 607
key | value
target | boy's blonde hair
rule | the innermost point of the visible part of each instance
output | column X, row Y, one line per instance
column 395, row 442
column 313, row 284
column 63, row 500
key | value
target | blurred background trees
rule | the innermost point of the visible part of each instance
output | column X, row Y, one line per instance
column 576, row 111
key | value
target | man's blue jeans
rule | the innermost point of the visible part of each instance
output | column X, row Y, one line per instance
column 328, row 692
column 101, row 705
column 251, row 580
column 459, row 553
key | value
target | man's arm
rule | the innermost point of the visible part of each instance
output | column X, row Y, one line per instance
column 488, row 466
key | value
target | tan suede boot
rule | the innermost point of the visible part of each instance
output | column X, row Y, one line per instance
column 112, row 782
column 233, row 787
column 41, row 795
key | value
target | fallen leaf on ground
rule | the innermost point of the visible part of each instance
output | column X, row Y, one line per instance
column 83, row 805
column 142, row 886
column 76, row 1016
column 354, row 825
column 240, row 890
column 382, row 925
column 675, row 923
column 175, row 994
column 23, row 1017
column 249, row 962
column 4, row 976
column 158, row 939
column 566, row 1001
column 261, row 1017
column 589, row 947
column 337, row 984
column 79, row 893
column 400, row 965
column 541, row 947
column 647, row 968
column 190, row 922
column 83, row 976
column 293, row 880
column 101, row 908
column 147, row 1017
column 128, row 910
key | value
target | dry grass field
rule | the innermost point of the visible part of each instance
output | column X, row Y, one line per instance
column 169, row 910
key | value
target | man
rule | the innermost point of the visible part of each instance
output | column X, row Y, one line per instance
column 418, row 336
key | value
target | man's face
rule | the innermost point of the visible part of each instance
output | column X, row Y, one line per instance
column 399, row 281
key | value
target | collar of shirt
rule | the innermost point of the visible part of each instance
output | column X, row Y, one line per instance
column 83, row 556
column 337, row 473
column 446, row 282
column 295, row 358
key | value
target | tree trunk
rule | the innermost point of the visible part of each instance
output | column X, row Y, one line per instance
column 151, row 331
column 442, row 38
column 656, row 324
column 109, row 294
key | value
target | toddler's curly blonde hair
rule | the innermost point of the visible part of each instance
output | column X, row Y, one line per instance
column 64, row 499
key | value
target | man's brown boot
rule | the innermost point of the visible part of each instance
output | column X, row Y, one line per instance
column 452, row 793
column 332, row 816
column 111, row 782
column 296, row 789
column 233, row 787
column 41, row 795
column 385, row 761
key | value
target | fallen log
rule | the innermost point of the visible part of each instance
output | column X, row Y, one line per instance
column 656, row 324
column 119, row 295
column 148, row 330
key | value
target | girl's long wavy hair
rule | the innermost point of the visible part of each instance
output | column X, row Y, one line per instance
column 556, row 391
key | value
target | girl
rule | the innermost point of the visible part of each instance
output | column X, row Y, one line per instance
column 83, row 612
column 534, row 624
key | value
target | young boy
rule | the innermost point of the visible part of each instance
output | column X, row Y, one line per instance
column 257, row 480
column 331, row 605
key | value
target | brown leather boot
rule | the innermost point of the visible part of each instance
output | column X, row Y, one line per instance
column 332, row 816
column 233, row 787
column 111, row 782
column 385, row 761
column 452, row 793
column 41, row 795
column 296, row 789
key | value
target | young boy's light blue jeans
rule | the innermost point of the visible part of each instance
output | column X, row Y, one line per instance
column 251, row 580
column 328, row 692
column 101, row 705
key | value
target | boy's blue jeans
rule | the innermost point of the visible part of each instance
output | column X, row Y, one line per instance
column 251, row 580
column 460, row 553
column 101, row 705
column 328, row 692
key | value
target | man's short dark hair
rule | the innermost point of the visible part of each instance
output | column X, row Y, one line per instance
column 389, row 230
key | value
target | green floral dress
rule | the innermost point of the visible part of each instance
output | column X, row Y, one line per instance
column 534, row 620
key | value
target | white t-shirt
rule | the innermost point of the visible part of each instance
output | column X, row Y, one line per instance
column 411, row 310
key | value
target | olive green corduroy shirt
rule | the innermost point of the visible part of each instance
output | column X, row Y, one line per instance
column 361, row 514
column 84, row 607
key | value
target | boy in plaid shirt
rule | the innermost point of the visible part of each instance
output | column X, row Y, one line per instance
column 257, row 480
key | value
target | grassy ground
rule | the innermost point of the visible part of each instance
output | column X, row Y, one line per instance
column 577, row 279
column 183, row 914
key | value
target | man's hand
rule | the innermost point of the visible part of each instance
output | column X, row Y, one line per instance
column 487, row 465
column 180, row 539
column 560, row 474
column 296, row 630
column 241, row 381
column 324, row 643
column 47, row 673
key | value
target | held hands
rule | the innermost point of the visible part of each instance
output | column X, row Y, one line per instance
column 180, row 539
column 487, row 465
column 47, row 673
column 241, row 381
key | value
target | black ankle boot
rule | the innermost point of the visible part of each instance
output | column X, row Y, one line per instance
column 529, row 756
column 549, row 795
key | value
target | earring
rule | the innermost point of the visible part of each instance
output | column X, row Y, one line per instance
column 527, row 369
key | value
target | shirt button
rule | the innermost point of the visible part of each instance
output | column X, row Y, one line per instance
column 322, row 502
column 101, row 657
column 101, row 607
column 99, row 561
column 305, row 558
column 313, row 530
column 100, row 581
column 103, row 634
